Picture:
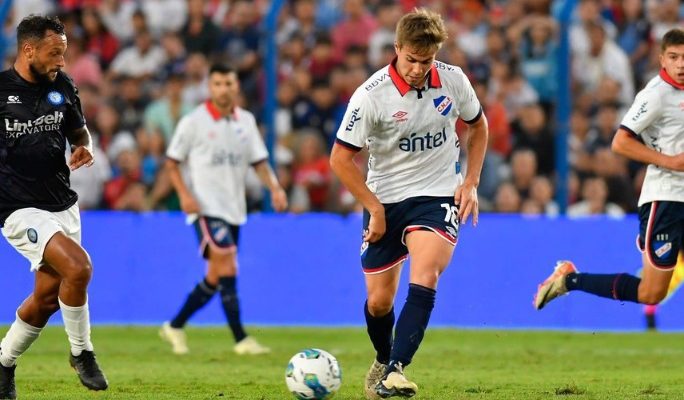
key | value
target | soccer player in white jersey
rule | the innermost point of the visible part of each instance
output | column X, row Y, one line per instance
column 657, row 116
column 414, row 196
column 218, row 141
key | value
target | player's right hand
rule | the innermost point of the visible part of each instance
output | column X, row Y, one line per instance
column 376, row 227
column 189, row 205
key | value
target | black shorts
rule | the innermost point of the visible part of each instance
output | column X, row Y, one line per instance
column 216, row 234
column 660, row 232
column 437, row 214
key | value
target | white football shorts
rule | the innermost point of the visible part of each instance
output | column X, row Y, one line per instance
column 29, row 230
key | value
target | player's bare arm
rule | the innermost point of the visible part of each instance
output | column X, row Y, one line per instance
column 188, row 203
column 466, row 194
column 81, row 148
column 342, row 163
column 269, row 179
column 626, row 145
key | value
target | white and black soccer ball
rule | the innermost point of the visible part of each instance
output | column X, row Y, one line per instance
column 313, row 374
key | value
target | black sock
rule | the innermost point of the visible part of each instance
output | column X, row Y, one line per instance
column 197, row 299
column 412, row 323
column 380, row 333
column 231, row 306
column 623, row 287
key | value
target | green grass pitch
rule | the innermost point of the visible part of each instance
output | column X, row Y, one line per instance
column 451, row 364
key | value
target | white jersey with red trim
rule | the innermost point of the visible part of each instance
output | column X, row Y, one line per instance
column 410, row 133
column 218, row 152
column 657, row 116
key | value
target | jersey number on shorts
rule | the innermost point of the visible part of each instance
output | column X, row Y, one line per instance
column 451, row 213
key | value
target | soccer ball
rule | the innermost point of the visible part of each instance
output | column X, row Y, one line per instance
column 313, row 374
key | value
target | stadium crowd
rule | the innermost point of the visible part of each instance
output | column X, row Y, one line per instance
column 142, row 64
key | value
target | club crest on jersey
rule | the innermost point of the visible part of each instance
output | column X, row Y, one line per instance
column 662, row 249
column 443, row 104
column 55, row 98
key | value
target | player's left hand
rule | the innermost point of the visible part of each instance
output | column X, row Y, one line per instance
column 80, row 156
column 279, row 199
column 466, row 200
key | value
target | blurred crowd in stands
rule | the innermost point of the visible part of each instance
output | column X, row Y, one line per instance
column 142, row 64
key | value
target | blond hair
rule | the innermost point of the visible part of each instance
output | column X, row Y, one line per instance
column 422, row 30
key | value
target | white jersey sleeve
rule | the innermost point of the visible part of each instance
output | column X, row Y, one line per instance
column 469, row 106
column 256, row 149
column 181, row 142
column 358, row 120
column 646, row 109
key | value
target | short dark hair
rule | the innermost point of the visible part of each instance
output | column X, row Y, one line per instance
column 221, row 69
column 673, row 37
column 34, row 27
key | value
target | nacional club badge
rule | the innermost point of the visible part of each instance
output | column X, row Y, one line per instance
column 55, row 98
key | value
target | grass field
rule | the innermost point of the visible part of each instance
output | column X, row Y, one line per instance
column 451, row 364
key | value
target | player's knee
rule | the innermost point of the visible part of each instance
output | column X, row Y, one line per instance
column 426, row 278
column 79, row 270
column 651, row 296
column 47, row 306
column 379, row 305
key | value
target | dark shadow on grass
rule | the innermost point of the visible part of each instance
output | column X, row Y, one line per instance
column 569, row 390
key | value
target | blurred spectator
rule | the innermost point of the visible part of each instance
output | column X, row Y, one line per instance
column 604, row 59
column 541, row 192
column 531, row 131
column 98, row 39
column 130, row 103
column 594, row 196
column 634, row 36
column 588, row 13
column 388, row 14
column 312, row 169
column 239, row 47
column 89, row 182
column 536, row 48
column 126, row 191
column 355, row 29
column 83, row 67
column 301, row 23
column 523, row 170
column 297, row 196
column 142, row 60
column 164, row 15
column 174, row 54
column 507, row 199
column 162, row 115
column 196, row 88
column 322, row 61
column 117, row 16
column 24, row 8
column 199, row 32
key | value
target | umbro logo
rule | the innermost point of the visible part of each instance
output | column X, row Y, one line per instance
column 13, row 100
column 400, row 116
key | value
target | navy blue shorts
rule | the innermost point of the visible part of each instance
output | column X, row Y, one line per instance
column 661, row 224
column 437, row 214
column 216, row 234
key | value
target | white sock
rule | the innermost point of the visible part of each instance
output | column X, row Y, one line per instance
column 17, row 340
column 77, row 326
